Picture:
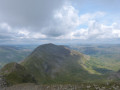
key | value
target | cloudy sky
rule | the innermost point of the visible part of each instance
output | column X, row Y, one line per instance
column 59, row 21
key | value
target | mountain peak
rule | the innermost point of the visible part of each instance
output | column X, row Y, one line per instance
column 51, row 49
column 48, row 45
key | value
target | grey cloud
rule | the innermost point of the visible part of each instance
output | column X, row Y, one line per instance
column 32, row 15
column 28, row 13
column 56, row 30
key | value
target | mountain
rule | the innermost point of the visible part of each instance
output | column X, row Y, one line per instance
column 14, row 73
column 51, row 63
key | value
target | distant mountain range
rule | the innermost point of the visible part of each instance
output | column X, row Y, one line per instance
column 14, row 53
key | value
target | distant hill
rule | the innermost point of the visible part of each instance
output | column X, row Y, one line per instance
column 14, row 53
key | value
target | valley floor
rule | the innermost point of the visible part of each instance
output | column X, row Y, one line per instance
column 106, row 86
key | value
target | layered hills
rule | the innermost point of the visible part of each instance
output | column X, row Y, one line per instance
column 14, row 53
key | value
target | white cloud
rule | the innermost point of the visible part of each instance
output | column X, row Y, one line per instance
column 97, row 31
column 85, row 18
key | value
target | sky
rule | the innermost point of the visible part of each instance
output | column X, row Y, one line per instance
column 59, row 21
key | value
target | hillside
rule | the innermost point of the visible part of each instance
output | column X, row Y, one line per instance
column 51, row 63
column 14, row 73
